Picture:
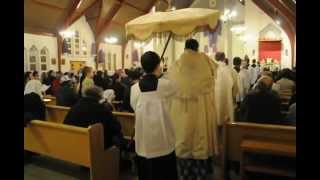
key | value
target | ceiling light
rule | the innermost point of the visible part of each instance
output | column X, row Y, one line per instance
column 153, row 9
column 278, row 22
column 67, row 34
column 233, row 13
column 246, row 38
column 237, row 29
column 138, row 45
column 111, row 40
column 173, row 8
column 227, row 11
column 79, row 4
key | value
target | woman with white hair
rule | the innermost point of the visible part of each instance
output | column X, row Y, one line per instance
column 34, row 85
column 66, row 94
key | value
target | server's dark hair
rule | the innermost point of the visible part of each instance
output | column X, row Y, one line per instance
column 220, row 56
column 149, row 61
column 192, row 44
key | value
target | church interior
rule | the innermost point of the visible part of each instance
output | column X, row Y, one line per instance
column 159, row 89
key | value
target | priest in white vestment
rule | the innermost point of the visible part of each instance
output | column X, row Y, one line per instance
column 245, row 79
column 193, row 112
column 226, row 89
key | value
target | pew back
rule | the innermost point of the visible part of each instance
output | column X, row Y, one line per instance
column 127, row 120
column 83, row 146
column 56, row 113
column 53, row 100
column 58, row 141
column 235, row 133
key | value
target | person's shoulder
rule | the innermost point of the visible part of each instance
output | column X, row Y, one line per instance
column 163, row 80
column 135, row 87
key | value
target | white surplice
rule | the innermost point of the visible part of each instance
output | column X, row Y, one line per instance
column 245, row 82
column 35, row 86
column 224, row 93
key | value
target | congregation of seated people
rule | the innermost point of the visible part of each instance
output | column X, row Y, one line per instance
column 244, row 92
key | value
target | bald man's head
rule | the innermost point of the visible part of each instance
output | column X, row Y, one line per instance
column 265, row 83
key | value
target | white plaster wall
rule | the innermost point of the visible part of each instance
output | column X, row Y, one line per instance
column 255, row 21
column 237, row 47
column 86, row 34
column 43, row 41
column 128, row 55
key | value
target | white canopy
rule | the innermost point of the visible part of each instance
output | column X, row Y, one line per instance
column 180, row 22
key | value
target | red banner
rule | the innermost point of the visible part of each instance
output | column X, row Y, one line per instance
column 270, row 49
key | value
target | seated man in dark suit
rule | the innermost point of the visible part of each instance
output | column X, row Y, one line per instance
column 90, row 111
column 34, row 108
column 262, row 105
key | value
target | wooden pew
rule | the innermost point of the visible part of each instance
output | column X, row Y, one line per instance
column 52, row 99
column 116, row 105
column 269, row 139
column 127, row 120
column 82, row 146
column 56, row 113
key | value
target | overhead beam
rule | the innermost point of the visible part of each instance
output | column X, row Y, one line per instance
column 74, row 16
column 135, row 7
column 285, row 26
column 39, row 31
column 71, row 12
column 48, row 5
column 99, row 20
column 284, row 12
column 291, row 9
column 115, row 8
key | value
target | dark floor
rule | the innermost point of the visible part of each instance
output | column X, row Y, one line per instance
column 44, row 168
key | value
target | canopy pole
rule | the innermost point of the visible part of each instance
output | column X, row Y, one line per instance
column 165, row 47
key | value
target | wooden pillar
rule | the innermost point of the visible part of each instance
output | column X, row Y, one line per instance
column 97, row 52
column 59, row 44
column 123, row 53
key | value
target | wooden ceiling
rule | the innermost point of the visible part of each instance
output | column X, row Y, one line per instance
column 108, row 17
column 105, row 17
column 283, row 11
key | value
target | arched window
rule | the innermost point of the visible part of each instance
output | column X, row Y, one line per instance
column 44, row 59
column 84, row 48
column 109, row 61
column 114, row 62
column 25, row 62
column 33, row 58
column 77, row 43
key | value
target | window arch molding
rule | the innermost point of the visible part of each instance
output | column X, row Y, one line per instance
column 33, row 63
column 25, row 59
column 44, row 59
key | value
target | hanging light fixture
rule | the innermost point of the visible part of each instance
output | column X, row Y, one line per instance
column 111, row 40
column 228, row 15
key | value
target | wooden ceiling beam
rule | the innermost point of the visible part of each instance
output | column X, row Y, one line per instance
column 284, row 12
column 39, row 31
column 74, row 16
column 99, row 20
column 48, row 5
column 290, row 8
column 285, row 25
column 113, row 11
column 71, row 12
column 135, row 7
